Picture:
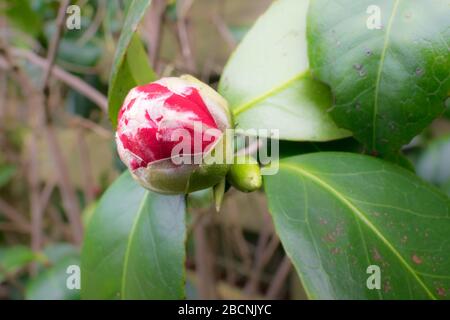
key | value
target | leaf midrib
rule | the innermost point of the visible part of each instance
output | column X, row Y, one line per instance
column 130, row 238
column 380, row 70
column 359, row 214
column 276, row 89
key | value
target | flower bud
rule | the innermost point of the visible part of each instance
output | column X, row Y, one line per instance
column 166, row 129
column 245, row 174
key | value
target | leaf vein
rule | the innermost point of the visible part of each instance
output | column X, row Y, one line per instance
column 364, row 219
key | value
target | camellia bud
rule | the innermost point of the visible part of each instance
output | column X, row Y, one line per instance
column 245, row 174
column 167, row 129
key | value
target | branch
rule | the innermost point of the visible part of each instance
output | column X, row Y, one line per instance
column 53, row 48
column 13, row 215
column 90, row 125
column 96, row 22
column 259, row 263
column 36, row 207
column 72, row 81
column 68, row 194
column 279, row 278
column 89, row 185
column 183, row 34
column 37, row 110
column 203, row 261
column 224, row 31
column 154, row 22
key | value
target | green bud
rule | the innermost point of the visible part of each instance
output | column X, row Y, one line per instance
column 245, row 174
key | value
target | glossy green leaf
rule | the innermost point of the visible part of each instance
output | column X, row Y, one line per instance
column 131, row 66
column 201, row 199
column 294, row 148
column 338, row 213
column 60, row 251
column 134, row 245
column 267, row 82
column 388, row 83
column 433, row 164
column 12, row 259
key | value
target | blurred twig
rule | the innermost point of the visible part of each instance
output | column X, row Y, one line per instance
column 203, row 260
column 90, row 125
column 95, row 24
column 54, row 44
column 74, row 82
column 239, row 241
column 89, row 187
column 32, row 98
column 225, row 290
column 3, row 95
column 68, row 194
column 47, row 193
column 252, row 284
column 154, row 27
column 38, row 107
column 14, row 215
column 13, row 227
column 231, row 275
column 224, row 31
column 183, row 7
column 35, row 199
column 279, row 279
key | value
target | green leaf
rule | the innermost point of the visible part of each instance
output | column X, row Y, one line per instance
column 87, row 213
column 131, row 66
column 294, row 148
column 401, row 160
column 21, row 15
column 338, row 213
column 6, row 174
column 60, row 251
column 433, row 163
column 86, row 55
column 134, row 245
column 51, row 283
column 201, row 199
column 267, row 82
column 389, row 84
column 12, row 259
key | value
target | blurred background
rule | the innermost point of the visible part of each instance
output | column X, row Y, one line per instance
column 57, row 151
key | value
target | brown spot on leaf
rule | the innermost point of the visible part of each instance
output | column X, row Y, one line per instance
column 387, row 286
column 441, row 292
column 376, row 255
column 330, row 237
column 335, row 251
column 416, row 259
